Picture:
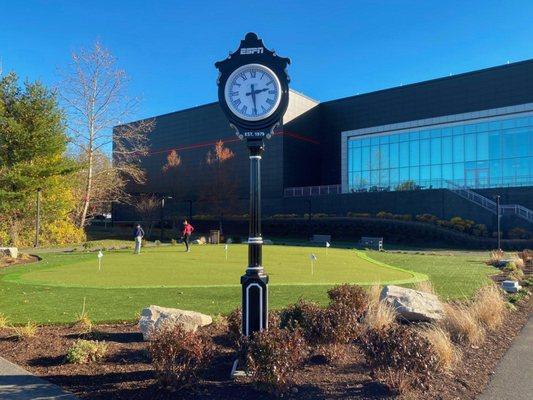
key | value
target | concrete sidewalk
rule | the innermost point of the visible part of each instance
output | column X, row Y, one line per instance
column 18, row 384
column 513, row 377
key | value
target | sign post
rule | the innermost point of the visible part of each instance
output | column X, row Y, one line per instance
column 253, row 93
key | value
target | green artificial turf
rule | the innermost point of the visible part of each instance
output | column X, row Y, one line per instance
column 53, row 290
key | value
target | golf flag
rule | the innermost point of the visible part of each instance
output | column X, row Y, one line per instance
column 327, row 246
column 226, row 250
column 100, row 255
column 313, row 258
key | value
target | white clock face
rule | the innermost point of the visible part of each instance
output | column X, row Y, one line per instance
column 253, row 92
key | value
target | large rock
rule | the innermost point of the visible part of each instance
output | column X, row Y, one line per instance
column 12, row 252
column 413, row 305
column 154, row 317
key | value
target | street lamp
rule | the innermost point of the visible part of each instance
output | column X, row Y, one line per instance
column 38, row 218
column 162, row 216
column 498, row 217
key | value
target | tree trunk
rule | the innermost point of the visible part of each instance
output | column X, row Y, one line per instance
column 14, row 232
column 88, row 187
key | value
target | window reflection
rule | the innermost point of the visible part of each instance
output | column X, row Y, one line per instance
column 485, row 154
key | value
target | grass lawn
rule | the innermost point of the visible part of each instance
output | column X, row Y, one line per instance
column 53, row 290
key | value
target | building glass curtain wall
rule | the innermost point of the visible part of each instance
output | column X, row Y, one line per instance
column 493, row 153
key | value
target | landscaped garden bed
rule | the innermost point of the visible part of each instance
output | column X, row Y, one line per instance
column 126, row 372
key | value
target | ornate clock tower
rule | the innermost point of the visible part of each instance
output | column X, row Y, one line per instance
column 253, row 91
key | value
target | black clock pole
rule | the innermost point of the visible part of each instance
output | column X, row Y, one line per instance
column 239, row 75
column 254, row 282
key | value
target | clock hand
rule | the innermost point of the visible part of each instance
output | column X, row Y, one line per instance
column 253, row 98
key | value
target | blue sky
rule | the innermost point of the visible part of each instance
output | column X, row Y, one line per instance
column 337, row 48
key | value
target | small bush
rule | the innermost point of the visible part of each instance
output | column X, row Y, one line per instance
column 3, row 321
column 462, row 325
column 489, row 307
column 352, row 298
column 234, row 321
column 374, row 293
column 384, row 215
column 83, row 322
column 447, row 354
column 510, row 267
column 526, row 256
column 178, row 356
column 157, row 243
column 273, row 358
column 173, row 242
column 516, row 275
column 519, row 296
column 380, row 316
column 26, row 331
column 86, row 351
column 400, row 357
column 495, row 257
column 428, row 218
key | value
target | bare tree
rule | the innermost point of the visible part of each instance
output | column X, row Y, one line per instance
column 94, row 92
column 221, row 192
column 173, row 161
column 147, row 206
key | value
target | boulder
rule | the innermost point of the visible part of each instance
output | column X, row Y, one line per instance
column 413, row 305
column 155, row 317
column 12, row 252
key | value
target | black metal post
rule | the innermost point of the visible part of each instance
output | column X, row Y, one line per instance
column 498, row 217
column 38, row 218
column 254, row 281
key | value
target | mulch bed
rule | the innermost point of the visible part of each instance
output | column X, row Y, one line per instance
column 29, row 259
column 127, row 374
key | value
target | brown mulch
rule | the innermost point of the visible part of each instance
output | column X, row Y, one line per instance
column 19, row 261
column 126, row 373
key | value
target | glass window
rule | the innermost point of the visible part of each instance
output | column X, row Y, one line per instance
column 458, row 149
column 446, row 131
column 457, row 130
column 404, row 137
column 425, row 134
column 425, row 176
column 374, row 157
column 470, row 128
column 447, row 149
column 365, row 158
column 404, row 174
column 425, row 152
column 470, row 147
column 494, row 145
column 393, row 155
column 436, row 174
column 414, row 135
column 384, row 139
column 447, row 172
column 458, row 172
column 394, row 176
column 414, row 174
column 394, row 138
column 436, row 151
column 384, row 156
column 483, row 146
column 384, row 178
column 366, row 141
column 404, row 154
column 374, row 141
column 414, row 150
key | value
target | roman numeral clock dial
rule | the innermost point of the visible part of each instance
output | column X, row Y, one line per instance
column 253, row 92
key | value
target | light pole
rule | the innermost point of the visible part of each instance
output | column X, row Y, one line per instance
column 38, row 218
column 498, row 217
column 190, row 210
column 162, row 216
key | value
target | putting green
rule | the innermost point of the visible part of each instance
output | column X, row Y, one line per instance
column 207, row 266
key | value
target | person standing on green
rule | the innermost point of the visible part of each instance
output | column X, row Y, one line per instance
column 138, row 234
column 186, row 234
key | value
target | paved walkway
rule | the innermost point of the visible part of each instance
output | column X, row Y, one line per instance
column 513, row 377
column 18, row 384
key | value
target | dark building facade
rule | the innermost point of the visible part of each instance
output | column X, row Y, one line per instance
column 372, row 150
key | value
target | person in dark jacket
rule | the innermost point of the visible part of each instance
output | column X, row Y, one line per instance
column 186, row 235
column 138, row 235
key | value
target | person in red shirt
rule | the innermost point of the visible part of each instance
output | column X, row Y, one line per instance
column 186, row 234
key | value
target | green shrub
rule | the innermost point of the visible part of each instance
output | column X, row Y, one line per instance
column 385, row 215
column 519, row 233
column 358, row 215
column 518, row 296
column 273, row 358
column 510, row 266
column 86, row 351
column 516, row 275
column 178, row 356
column 429, row 218
column 400, row 357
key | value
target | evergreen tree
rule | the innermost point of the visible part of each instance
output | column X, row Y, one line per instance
column 32, row 150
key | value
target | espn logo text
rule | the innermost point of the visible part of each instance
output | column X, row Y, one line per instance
column 252, row 50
